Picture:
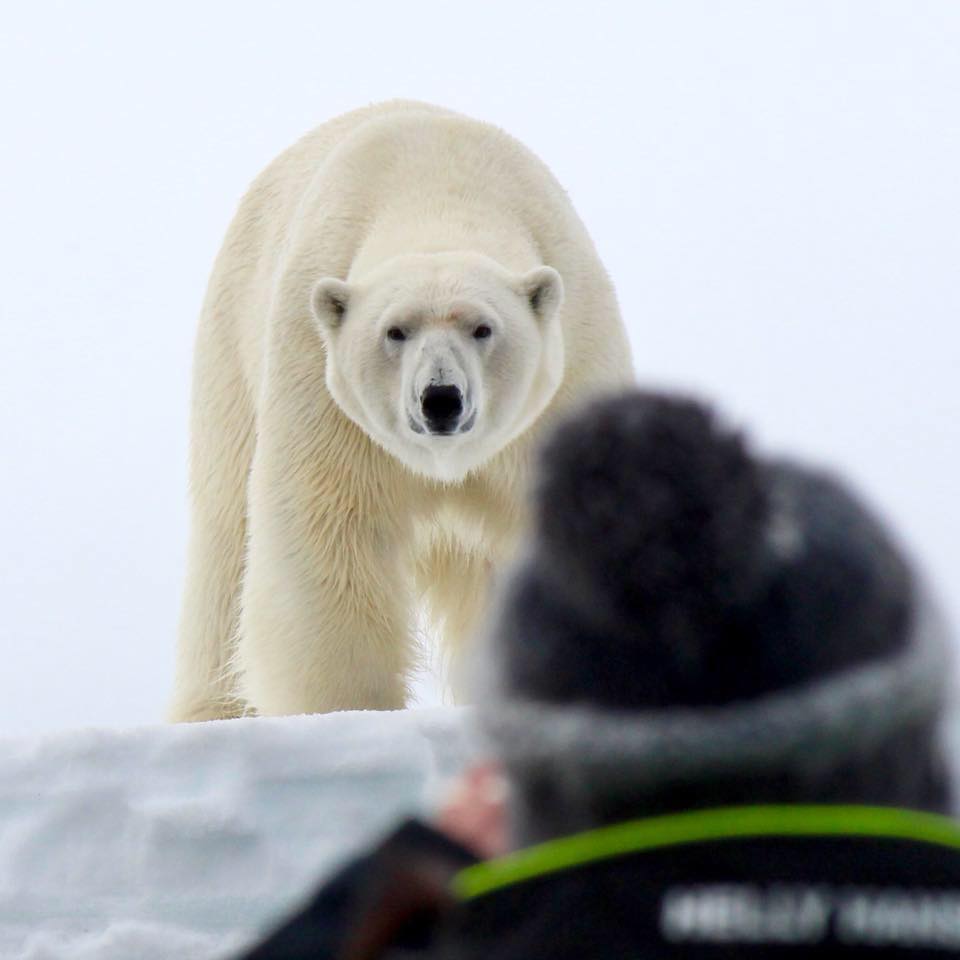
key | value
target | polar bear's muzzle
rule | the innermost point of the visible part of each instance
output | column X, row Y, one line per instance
column 441, row 399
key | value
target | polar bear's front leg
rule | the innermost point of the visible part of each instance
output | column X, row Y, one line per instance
column 222, row 446
column 326, row 603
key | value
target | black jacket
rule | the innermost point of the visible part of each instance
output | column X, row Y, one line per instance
column 738, row 882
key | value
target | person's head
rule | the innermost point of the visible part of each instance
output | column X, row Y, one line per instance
column 693, row 625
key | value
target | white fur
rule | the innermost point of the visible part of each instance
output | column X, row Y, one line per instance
column 322, row 510
column 437, row 300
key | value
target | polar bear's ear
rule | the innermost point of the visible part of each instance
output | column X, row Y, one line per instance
column 543, row 289
column 329, row 302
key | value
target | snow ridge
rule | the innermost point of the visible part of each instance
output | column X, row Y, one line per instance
column 186, row 841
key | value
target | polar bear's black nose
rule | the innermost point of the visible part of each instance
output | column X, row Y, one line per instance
column 442, row 407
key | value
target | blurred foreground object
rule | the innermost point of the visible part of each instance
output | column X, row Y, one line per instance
column 694, row 626
column 716, row 686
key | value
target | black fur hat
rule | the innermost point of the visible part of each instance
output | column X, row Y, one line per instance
column 694, row 625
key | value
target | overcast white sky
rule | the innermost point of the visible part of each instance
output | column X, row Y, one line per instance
column 773, row 186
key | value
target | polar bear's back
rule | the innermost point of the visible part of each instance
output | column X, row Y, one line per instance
column 286, row 178
column 408, row 159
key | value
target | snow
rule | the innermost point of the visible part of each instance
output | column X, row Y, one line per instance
column 186, row 841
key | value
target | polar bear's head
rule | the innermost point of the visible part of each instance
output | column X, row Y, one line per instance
column 444, row 358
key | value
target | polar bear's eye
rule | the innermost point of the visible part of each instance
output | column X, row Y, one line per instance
column 395, row 333
column 481, row 332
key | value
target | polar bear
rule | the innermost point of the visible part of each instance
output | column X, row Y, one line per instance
column 403, row 303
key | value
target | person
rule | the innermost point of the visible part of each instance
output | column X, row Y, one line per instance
column 712, row 690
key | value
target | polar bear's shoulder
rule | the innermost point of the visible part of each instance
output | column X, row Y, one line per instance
column 319, row 141
column 283, row 179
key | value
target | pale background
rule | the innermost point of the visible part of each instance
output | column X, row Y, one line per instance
column 774, row 187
